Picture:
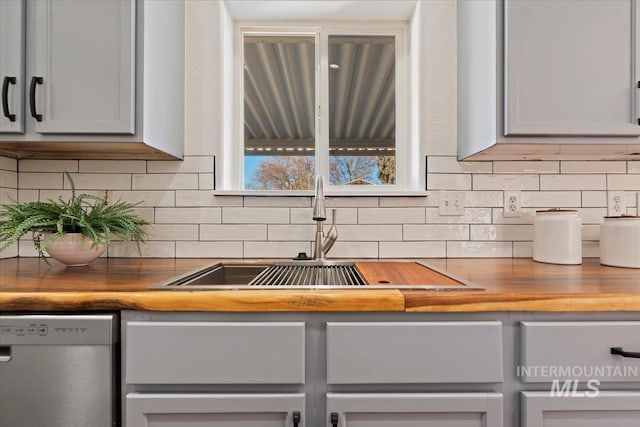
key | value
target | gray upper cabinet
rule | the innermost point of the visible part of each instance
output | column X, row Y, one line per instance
column 99, row 79
column 84, row 52
column 12, row 47
column 551, row 79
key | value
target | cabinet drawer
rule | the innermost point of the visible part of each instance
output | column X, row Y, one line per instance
column 579, row 351
column 416, row 352
column 214, row 353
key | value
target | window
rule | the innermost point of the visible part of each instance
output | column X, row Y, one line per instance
column 322, row 99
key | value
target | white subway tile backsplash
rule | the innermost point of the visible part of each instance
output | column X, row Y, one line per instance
column 291, row 232
column 292, row 202
column 450, row 164
column 199, row 198
column 100, row 181
column 113, row 166
column 351, row 202
column 479, row 250
column 8, row 179
column 368, row 233
column 205, row 181
column 591, row 232
column 8, row 196
column 32, row 165
column 232, row 232
column 600, row 166
column 165, row 181
column 502, row 232
column 448, row 181
column 483, row 199
column 629, row 182
column 8, row 164
column 218, row 249
column 10, row 252
column 39, row 180
column 28, row 195
column 412, row 249
column 275, row 249
column 231, row 215
column 188, row 215
column 526, row 216
column 174, row 232
column 590, row 250
column 556, row 199
column 522, row 249
column 405, row 202
column 573, row 182
column 343, row 216
column 157, row 198
column 391, row 215
column 506, row 182
column 435, row 232
column 592, row 215
column 470, row 216
column 150, row 249
column 594, row 199
column 349, row 249
column 633, row 166
column 188, row 164
column 526, row 167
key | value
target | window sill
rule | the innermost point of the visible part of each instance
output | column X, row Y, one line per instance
column 327, row 193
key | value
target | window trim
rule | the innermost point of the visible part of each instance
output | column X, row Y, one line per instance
column 408, row 179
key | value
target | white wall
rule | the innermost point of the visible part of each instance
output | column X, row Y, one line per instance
column 191, row 222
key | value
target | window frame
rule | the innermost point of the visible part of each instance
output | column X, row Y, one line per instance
column 408, row 181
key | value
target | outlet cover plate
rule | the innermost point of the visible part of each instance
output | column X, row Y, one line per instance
column 615, row 203
column 512, row 204
column 451, row 203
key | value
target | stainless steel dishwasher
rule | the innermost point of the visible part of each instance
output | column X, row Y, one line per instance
column 58, row 370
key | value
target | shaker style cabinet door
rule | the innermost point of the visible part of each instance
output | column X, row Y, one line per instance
column 414, row 409
column 214, row 410
column 12, row 51
column 569, row 68
column 82, row 72
column 605, row 409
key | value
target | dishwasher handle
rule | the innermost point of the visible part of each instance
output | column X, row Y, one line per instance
column 5, row 353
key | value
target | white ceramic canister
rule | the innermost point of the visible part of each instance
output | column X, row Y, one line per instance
column 620, row 241
column 557, row 237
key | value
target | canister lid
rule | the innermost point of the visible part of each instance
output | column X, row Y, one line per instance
column 623, row 217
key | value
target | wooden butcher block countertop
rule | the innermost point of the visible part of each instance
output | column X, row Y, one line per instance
column 28, row 284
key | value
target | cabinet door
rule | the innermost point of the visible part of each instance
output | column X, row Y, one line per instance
column 569, row 68
column 12, row 48
column 606, row 409
column 214, row 410
column 85, row 54
column 414, row 410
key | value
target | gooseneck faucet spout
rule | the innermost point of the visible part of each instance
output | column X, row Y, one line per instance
column 322, row 244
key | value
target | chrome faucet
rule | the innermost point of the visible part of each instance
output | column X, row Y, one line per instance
column 322, row 244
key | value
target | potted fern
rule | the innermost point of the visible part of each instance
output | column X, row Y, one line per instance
column 76, row 231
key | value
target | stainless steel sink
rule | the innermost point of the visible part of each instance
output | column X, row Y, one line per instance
column 290, row 275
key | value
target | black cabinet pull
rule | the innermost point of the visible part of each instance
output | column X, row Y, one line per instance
column 334, row 419
column 296, row 419
column 32, row 97
column 5, row 97
column 620, row 352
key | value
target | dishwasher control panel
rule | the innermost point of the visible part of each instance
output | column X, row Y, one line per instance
column 56, row 329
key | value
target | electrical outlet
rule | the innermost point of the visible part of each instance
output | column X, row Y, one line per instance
column 615, row 203
column 451, row 203
column 512, row 206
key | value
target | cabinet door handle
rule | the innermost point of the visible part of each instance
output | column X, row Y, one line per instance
column 296, row 419
column 32, row 97
column 620, row 352
column 334, row 419
column 5, row 97
column 5, row 353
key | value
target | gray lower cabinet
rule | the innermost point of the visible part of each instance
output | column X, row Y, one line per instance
column 214, row 410
column 12, row 49
column 414, row 409
column 605, row 409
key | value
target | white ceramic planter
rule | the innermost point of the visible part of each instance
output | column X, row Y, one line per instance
column 74, row 250
column 620, row 242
